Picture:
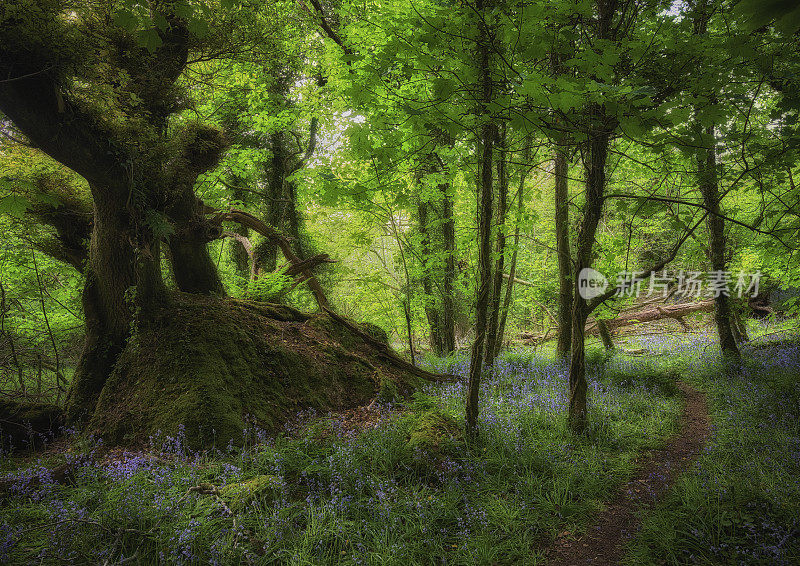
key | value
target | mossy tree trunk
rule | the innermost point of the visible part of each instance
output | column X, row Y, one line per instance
column 709, row 189
column 449, row 278
column 128, row 184
column 723, row 314
column 565, row 285
column 432, row 311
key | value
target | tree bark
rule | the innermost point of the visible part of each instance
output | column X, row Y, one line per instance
column 448, row 285
column 110, row 272
column 596, row 156
column 485, row 190
column 513, row 267
column 275, row 201
column 598, row 129
column 605, row 335
column 709, row 189
column 565, row 284
column 707, row 173
column 431, row 310
column 492, row 333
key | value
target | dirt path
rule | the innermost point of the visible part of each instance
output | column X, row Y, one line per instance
column 603, row 543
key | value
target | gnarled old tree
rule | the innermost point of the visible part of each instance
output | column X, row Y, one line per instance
column 137, row 167
column 86, row 92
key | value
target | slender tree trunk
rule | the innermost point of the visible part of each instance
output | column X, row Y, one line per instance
column 707, row 173
column 598, row 132
column 739, row 327
column 238, row 254
column 512, row 272
column 597, row 154
column 485, row 190
column 431, row 310
column 565, row 283
column 409, row 332
column 448, row 285
column 605, row 334
column 10, row 338
column 707, row 178
column 492, row 347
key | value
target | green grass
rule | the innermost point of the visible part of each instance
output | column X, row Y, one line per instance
column 409, row 491
column 741, row 502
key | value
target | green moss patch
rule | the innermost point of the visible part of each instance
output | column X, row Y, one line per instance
column 434, row 430
column 262, row 489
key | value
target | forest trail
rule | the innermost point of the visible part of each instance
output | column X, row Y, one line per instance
column 603, row 543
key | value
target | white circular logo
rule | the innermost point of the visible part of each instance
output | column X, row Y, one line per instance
column 591, row 283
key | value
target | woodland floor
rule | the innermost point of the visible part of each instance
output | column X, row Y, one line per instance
column 651, row 481
column 603, row 544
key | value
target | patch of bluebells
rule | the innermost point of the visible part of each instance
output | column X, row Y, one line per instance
column 337, row 498
column 747, row 510
column 9, row 538
column 182, row 544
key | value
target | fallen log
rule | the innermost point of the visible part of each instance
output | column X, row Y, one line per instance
column 658, row 312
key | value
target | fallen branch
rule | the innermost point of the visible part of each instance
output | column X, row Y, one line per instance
column 518, row 280
column 246, row 219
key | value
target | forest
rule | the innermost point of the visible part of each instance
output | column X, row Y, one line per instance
column 408, row 282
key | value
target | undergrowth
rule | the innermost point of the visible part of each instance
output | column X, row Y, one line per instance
column 406, row 491
column 741, row 502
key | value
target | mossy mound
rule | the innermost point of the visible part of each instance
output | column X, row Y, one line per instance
column 434, row 430
column 213, row 365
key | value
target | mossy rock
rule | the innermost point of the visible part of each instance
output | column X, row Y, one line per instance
column 434, row 430
column 213, row 365
column 28, row 425
column 263, row 489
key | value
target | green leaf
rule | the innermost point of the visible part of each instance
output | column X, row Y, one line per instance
column 149, row 39
column 48, row 198
column 160, row 21
column 14, row 205
column 183, row 10
column 158, row 224
column 127, row 20
column 443, row 88
column 198, row 27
